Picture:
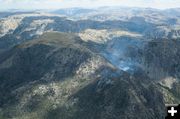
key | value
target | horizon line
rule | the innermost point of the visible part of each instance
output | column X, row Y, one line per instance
column 49, row 9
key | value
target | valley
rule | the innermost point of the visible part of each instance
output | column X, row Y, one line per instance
column 103, row 63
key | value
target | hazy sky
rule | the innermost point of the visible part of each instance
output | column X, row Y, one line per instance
column 55, row 4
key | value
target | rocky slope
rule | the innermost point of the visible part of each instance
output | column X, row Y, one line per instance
column 157, row 59
column 57, row 76
column 105, row 63
column 161, row 63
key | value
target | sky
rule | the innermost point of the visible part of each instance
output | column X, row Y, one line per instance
column 56, row 4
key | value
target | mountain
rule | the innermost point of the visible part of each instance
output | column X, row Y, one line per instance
column 101, row 63
column 73, row 11
column 150, row 23
column 56, row 76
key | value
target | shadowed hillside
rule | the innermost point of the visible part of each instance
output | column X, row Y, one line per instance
column 57, row 76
